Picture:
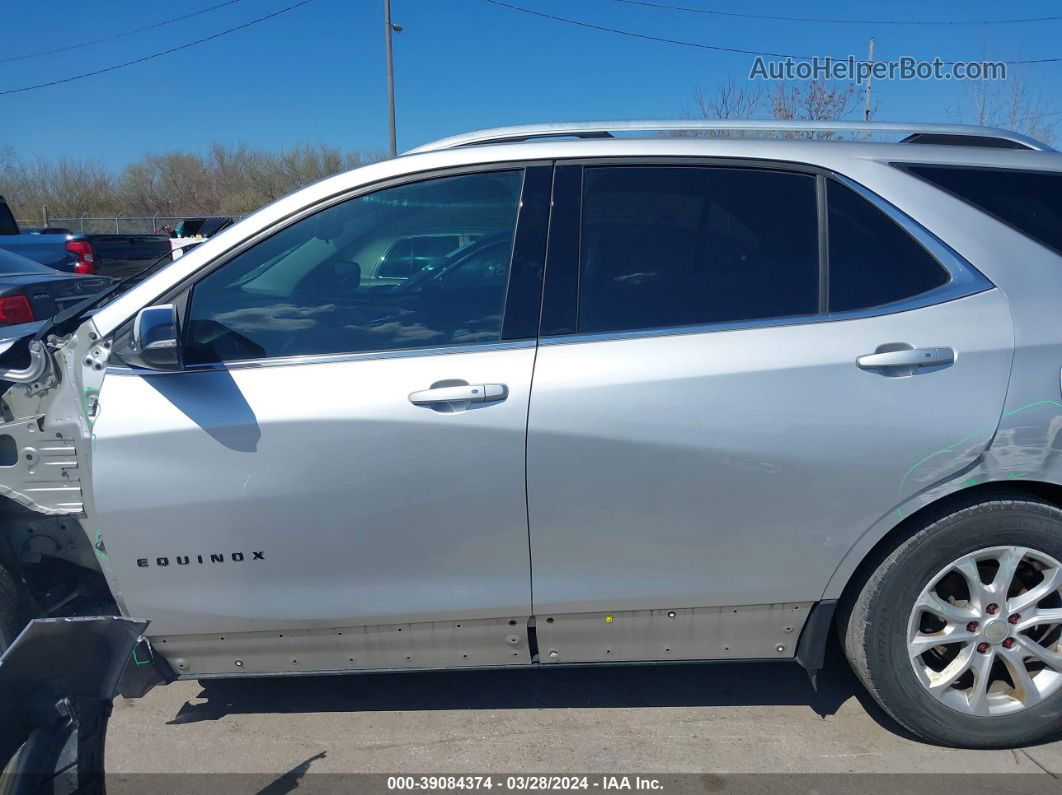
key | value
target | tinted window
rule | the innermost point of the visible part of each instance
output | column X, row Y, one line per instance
column 873, row 261
column 304, row 290
column 676, row 246
column 7, row 220
column 1030, row 201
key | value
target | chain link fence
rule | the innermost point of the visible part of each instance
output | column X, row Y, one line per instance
column 113, row 224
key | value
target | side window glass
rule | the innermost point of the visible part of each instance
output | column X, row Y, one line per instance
column 677, row 246
column 873, row 261
column 1029, row 201
column 311, row 288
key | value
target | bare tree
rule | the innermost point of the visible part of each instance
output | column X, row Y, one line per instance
column 816, row 100
column 811, row 101
column 65, row 186
column 226, row 180
column 728, row 101
column 1012, row 104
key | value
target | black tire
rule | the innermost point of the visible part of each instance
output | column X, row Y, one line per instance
column 873, row 624
column 12, row 616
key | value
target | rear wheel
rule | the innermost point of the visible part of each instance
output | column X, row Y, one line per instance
column 958, row 632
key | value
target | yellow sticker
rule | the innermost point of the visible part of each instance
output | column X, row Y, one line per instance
column 608, row 619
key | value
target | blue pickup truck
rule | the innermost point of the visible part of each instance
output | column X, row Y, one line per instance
column 117, row 256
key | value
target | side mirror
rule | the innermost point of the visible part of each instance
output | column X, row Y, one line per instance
column 154, row 344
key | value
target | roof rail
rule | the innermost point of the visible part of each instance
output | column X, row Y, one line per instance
column 967, row 134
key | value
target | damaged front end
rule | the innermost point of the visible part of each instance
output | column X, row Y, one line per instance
column 53, row 559
column 48, row 407
column 57, row 684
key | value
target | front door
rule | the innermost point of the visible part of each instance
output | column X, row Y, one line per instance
column 336, row 452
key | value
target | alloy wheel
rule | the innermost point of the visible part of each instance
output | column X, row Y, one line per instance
column 985, row 636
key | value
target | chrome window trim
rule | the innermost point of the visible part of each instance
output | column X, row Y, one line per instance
column 932, row 298
column 964, row 280
column 329, row 358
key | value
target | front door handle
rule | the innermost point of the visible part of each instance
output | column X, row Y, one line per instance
column 909, row 357
column 466, row 393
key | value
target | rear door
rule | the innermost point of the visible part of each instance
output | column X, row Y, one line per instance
column 703, row 431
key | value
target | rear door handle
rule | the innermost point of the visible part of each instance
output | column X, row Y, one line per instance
column 466, row 393
column 910, row 357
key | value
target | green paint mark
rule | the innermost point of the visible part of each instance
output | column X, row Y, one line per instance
column 941, row 451
column 138, row 661
column 990, row 429
column 101, row 549
column 968, row 482
column 87, row 393
column 1017, row 475
column 1020, row 409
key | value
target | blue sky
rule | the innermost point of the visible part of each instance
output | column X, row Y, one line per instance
column 316, row 74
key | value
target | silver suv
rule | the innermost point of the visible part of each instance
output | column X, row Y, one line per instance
column 699, row 396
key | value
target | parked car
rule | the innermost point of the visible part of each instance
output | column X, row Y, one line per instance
column 409, row 255
column 30, row 291
column 202, row 227
column 46, row 230
column 678, row 399
column 114, row 255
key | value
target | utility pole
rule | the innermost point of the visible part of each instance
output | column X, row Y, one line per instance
column 390, row 78
column 866, row 104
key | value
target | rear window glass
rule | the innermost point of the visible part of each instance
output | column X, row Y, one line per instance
column 1029, row 201
column 16, row 263
column 873, row 261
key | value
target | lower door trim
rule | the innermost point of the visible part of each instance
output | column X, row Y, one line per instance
column 677, row 634
column 690, row 633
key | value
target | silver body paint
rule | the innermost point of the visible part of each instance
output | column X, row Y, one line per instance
column 749, row 468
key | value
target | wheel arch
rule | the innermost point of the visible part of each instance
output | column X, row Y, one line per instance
column 873, row 547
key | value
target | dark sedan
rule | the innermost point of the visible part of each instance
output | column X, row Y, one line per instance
column 30, row 291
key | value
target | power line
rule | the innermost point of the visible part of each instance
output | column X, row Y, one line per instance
column 840, row 21
column 156, row 54
column 116, row 35
column 717, row 48
column 646, row 35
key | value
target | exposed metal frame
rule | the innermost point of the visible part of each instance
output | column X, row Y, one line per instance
column 607, row 129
